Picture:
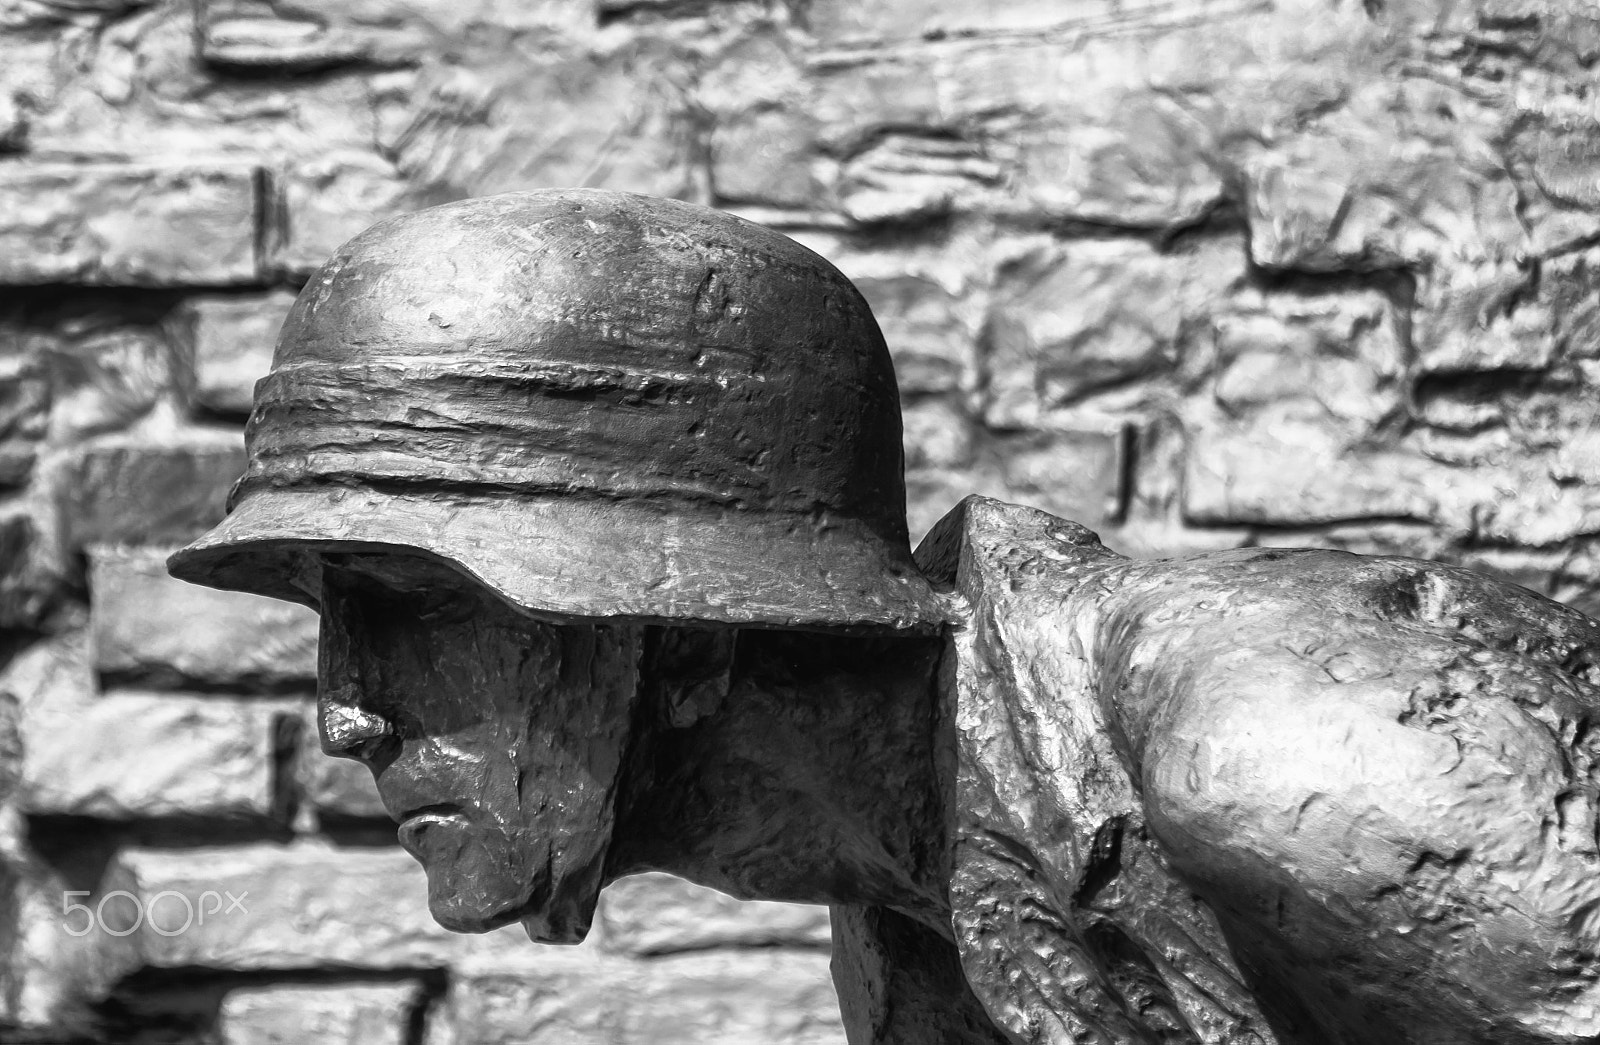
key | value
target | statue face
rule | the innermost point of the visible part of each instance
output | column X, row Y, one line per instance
column 496, row 740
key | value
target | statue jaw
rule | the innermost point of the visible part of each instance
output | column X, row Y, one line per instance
column 482, row 878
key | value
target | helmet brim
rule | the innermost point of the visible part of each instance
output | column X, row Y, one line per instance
column 565, row 558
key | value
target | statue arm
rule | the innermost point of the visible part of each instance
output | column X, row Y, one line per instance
column 1381, row 774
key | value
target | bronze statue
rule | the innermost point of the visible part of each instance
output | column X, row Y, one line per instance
column 600, row 499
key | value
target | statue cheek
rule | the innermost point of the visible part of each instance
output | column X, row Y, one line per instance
column 568, row 765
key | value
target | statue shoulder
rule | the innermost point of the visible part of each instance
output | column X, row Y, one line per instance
column 1058, row 893
column 984, row 548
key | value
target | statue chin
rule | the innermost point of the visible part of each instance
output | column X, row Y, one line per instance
column 560, row 923
column 481, row 879
column 482, row 908
column 476, row 881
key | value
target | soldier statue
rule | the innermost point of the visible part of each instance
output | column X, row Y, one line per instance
column 600, row 499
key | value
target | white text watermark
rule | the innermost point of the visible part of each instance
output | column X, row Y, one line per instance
column 167, row 913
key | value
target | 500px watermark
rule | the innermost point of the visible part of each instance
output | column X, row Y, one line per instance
column 160, row 911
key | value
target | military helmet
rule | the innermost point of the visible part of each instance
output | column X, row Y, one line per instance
column 598, row 405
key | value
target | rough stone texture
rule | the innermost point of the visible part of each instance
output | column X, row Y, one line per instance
column 652, row 914
column 1198, row 274
column 1077, row 474
column 338, row 1014
column 612, row 115
column 106, row 374
column 52, row 976
column 1285, row 695
column 1012, row 131
column 1297, row 389
column 150, row 626
column 144, row 490
column 301, row 36
column 337, row 787
column 1097, row 320
column 303, row 906
column 841, row 23
column 128, row 225
column 30, row 573
column 699, row 999
column 24, row 412
column 126, row 755
column 228, row 341
column 330, row 200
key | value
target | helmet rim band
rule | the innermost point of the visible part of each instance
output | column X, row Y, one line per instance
column 567, row 558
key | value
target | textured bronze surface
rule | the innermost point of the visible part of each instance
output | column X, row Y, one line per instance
column 612, row 578
column 1307, row 795
column 591, row 402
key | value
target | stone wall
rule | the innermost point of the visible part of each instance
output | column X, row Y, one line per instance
column 1198, row 273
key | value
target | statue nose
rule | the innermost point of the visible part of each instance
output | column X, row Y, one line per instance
column 351, row 731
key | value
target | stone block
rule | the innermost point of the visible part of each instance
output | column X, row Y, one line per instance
column 24, row 409
column 13, row 124
column 927, row 331
column 1095, row 317
column 1038, row 130
column 228, row 340
column 106, row 374
column 1482, row 318
column 1371, row 537
column 619, row 117
column 655, row 914
column 308, row 35
column 330, row 1014
column 151, row 626
column 128, row 224
column 32, row 575
column 1552, row 153
column 299, row 906
column 840, row 23
column 1569, row 574
column 1506, row 316
column 51, row 977
column 938, row 434
column 337, row 788
column 254, row 34
column 48, row 976
column 770, row 996
column 1283, row 468
column 905, row 178
column 1075, row 475
column 127, row 755
column 150, row 488
column 1138, row 161
column 1298, row 387
column 10, row 753
column 859, row 97
column 1288, row 469
column 331, row 200
column 1301, row 429
column 609, row 9
column 765, row 157
column 51, row 677
column 1338, row 356
column 1385, row 182
column 1566, row 293
column 928, row 295
column 932, row 492
column 1522, row 504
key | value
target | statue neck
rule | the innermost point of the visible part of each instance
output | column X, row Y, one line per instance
column 816, row 778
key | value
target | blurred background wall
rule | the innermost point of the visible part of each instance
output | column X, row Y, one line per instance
column 1198, row 273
